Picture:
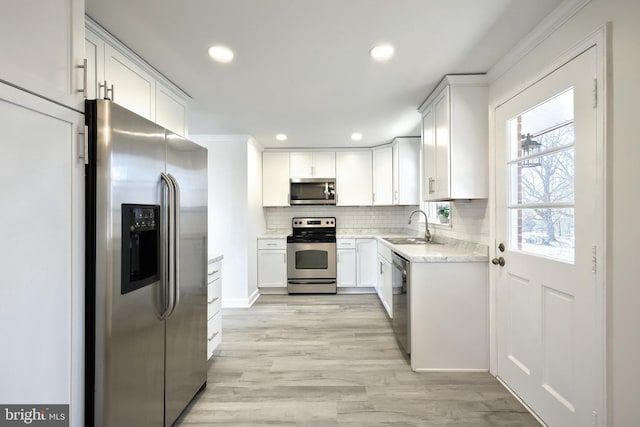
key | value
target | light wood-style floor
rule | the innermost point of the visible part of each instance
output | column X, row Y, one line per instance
column 313, row 360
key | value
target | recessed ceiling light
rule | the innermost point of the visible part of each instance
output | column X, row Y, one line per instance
column 221, row 54
column 381, row 52
column 356, row 136
column 281, row 137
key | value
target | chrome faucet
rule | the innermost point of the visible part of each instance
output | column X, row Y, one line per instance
column 427, row 235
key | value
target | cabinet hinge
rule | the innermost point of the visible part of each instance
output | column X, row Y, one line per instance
column 594, row 259
column 595, row 93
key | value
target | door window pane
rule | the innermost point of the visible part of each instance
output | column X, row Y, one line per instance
column 549, row 181
column 548, row 232
column 542, row 179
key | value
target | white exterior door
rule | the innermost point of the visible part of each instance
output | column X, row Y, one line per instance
column 549, row 224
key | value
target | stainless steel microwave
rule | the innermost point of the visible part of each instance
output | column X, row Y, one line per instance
column 313, row 191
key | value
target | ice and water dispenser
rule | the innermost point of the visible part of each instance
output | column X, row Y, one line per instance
column 140, row 246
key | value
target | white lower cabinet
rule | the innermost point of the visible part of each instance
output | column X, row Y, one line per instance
column 346, row 251
column 214, row 312
column 366, row 259
column 272, row 263
column 385, row 278
column 449, row 316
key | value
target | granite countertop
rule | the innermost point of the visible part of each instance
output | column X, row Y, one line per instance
column 450, row 250
column 215, row 258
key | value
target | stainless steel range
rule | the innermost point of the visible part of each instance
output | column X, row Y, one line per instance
column 311, row 256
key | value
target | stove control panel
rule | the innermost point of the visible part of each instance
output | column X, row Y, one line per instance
column 314, row 222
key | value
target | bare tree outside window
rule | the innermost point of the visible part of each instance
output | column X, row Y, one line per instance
column 542, row 184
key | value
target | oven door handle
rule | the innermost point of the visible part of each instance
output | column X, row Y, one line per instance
column 311, row 282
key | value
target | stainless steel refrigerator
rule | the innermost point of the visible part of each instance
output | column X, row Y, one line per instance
column 146, row 253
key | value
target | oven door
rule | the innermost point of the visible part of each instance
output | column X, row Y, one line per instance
column 311, row 260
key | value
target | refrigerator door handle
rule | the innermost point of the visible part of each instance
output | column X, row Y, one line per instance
column 176, row 242
column 168, row 283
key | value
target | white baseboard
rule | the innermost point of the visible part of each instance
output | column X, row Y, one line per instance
column 240, row 302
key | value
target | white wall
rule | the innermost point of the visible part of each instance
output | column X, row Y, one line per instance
column 623, row 282
column 235, row 212
column 256, row 219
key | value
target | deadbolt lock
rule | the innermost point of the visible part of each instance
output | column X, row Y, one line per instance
column 501, row 247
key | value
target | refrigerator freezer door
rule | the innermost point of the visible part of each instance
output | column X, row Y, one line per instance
column 129, row 336
column 186, row 327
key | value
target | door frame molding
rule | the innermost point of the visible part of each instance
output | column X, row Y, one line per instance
column 600, row 39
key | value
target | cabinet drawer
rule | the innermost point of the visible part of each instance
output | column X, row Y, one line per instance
column 214, row 270
column 213, row 299
column 346, row 243
column 214, row 334
column 272, row 244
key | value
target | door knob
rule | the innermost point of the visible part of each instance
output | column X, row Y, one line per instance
column 498, row 261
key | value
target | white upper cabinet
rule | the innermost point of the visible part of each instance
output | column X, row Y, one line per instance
column 313, row 164
column 115, row 72
column 455, row 139
column 275, row 178
column 383, row 176
column 354, row 186
column 171, row 110
column 128, row 84
column 42, row 48
column 406, row 171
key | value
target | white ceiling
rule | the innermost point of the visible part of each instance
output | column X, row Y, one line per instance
column 302, row 66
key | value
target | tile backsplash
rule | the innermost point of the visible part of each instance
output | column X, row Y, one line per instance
column 469, row 219
column 469, row 222
column 389, row 219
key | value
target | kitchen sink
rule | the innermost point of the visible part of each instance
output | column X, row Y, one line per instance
column 410, row 241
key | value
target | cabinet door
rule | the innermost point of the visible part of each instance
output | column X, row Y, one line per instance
column 275, row 179
column 301, row 165
column 366, row 257
column 133, row 88
column 94, row 52
column 324, row 164
column 383, row 176
column 42, row 249
column 441, row 115
column 406, row 171
column 171, row 110
column 42, row 45
column 346, row 268
column 272, row 268
column 354, row 185
column 428, row 154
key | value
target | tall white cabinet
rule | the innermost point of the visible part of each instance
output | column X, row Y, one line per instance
column 455, row 139
column 42, row 251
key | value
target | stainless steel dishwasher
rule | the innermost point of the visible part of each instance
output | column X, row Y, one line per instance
column 401, row 288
